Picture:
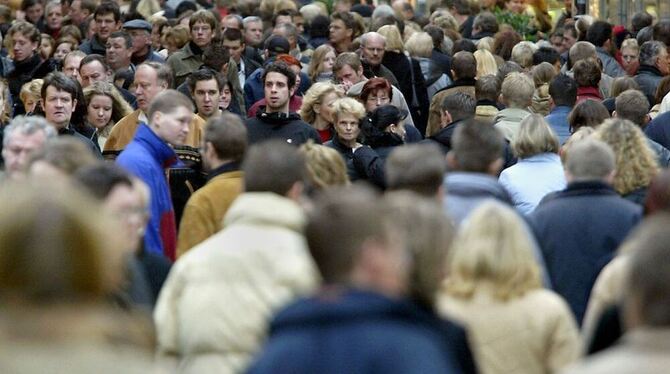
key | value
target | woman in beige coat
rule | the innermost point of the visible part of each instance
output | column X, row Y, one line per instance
column 494, row 291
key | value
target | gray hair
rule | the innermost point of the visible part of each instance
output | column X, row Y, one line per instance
column 372, row 34
column 590, row 159
column 251, row 19
column 28, row 126
column 649, row 51
column 290, row 30
column 382, row 11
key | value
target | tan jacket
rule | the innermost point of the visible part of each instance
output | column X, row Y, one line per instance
column 205, row 209
column 435, row 110
column 124, row 132
column 213, row 312
column 533, row 334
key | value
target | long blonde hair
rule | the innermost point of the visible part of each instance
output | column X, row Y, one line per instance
column 120, row 108
column 313, row 97
column 316, row 65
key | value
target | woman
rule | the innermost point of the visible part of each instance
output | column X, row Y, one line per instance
column 104, row 107
column 321, row 66
column 542, row 76
column 619, row 85
column 317, row 108
column 661, row 91
column 325, row 167
column 630, row 56
column 636, row 163
column 587, row 75
column 494, row 290
column 30, row 95
column 63, row 47
column 377, row 92
column 347, row 114
column 420, row 47
column 47, row 46
column 588, row 113
column 5, row 105
column 538, row 170
column 486, row 63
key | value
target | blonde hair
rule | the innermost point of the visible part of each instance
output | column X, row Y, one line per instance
column 313, row 97
column 179, row 35
column 316, row 65
column 543, row 73
column 6, row 108
column 486, row 63
column 630, row 43
column 420, row 44
column 393, row 38
column 486, row 43
column 636, row 163
column 534, row 137
column 325, row 166
column 517, row 89
column 582, row 133
column 522, row 54
column 120, row 108
column 493, row 247
column 32, row 89
column 347, row 105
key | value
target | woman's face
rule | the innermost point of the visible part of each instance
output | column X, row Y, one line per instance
column 347, row 128
column 376, row 99
column 629, row 56
column 226, row 96
column 61, row 50
column 45, row 48
column 398, row 129
column 325, row 108
column 328, row 62
column 99, row 111
column 30, row 104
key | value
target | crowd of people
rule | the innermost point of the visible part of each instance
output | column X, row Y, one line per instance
column 288, row 186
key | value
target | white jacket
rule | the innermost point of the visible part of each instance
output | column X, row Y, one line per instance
column 214, row 309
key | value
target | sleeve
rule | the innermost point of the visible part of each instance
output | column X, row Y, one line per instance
column 564, row 344
column 400, row 102
column 369, row 165
column 194, row 227
column 235, row 82
column 166, row 316
column 434, row 116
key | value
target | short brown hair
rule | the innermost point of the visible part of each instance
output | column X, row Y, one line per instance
column 464, row 65
column 26, row 29
column 204, row 16
column 167, row 102
column 590, row 113
column 633, row 106
column 476, row 145
column 347, row 58
column 228, row 136
column 587, row 73
column 273, row 166
column 416, row 167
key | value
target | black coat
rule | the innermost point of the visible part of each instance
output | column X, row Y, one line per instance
column 347, row 154
column 288, row 127
column 399, row 64
column 24, row 71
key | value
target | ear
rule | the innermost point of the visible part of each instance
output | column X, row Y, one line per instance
column 610, row 177
column 74, row 105
column 614, row 114
column 452, row 162
column 360, row 70
column 495, row 166
column 350, row 32
column 155, row 120
column 295, row 192
column 316, row 108
column 224, row 69
column 42, row 105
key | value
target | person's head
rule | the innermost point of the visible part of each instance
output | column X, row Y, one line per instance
column 587, row 73
column 347, row 114
column 383, row 123
column 216, row 57
column 151, row 78
column 636, row 163
column 543, row 74
column 206, row 86
column 34, row 10
column 63, row 47
column 47, row 46
column 23, row 137
column 323, row 60
column 486, row 63
column 517, row 90
column 140, row 33
column 54, row 15
column 288, row 31
column 170, row 114
column 463, row 45
column 107, row 18
column 547, row 54
column 487, row 88
column 59, row 99
column 522, row 54
column 485, row 22
column 392, row 37
column 630, row 53
column 276, row 45
column 581, row 51
column 324, row 166
column 506, row 68
column 317, row 103
column 633, row 106
column 599, row 34
column 372, row 47
column 534, row 137
column 234, row 43
column 232, row 21
column 476, row 147
column 375, row 93
column 225, row 140
column 158, row 26
column 119, row 49
column 80, row 10
column 31, row 94
column 24, row 40
column 563, row 90
column 464, row 65
column 640, row 20
column 590, row 159
column 503, row 43
column 416, row 167
column 348, row 68
column 60, row 158
column 93, row 68
column 5, row 102
column 661, row 90
column 654, row 53
column 341, row 28
column 420, row 44
column 515, row 6
column 71, row 63
column 455, row 107
column 175, row 38
column 658, row 194
column 274, row 166
column 621, row 84
column 203, row 26
column 104, row 105
column 588, row 113
column 661, row 31
column 253, row 31
column 278, row 85
column 494, row 248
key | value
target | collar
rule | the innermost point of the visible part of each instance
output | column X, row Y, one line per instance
column 193, row 49
column 589, row 91
column 157, row 147
column 561, row 109
column 142, row 117
column 591, row 187
column 463, row 82
column 649, row 69
column 225, row 168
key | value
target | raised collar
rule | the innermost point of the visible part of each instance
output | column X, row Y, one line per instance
column 225, row 168
column 649, row 70
column 157, row 147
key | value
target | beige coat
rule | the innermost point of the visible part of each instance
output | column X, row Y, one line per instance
column 213, row 312
column 533, row 334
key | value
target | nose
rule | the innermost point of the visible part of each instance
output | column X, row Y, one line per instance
column 207, row 97
column 101, row 113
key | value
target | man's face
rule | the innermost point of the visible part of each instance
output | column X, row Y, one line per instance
column 253, row 33
column 339, row 32
column 106, row 25
column 207, row 96
column 76, row 14
column 93, row 72
column 516, row 6
column 126, row 204
column 557, row 43
column 22, row 47
column 235, row 48
column 348, row 76
column 282, row 20
column 155, row 37
column 201, row 34
column 663, row 63
column 71, row 67
column 568, row 41
column 373, row 51
column 55, row 17
column 58, row 107
column 17, row 152
column 347, row 128
column 147, row 86
column 172, row 127
column 141, row 41
column 34, row 13
column 277, row 92
column 299, row 23
column 118, row 54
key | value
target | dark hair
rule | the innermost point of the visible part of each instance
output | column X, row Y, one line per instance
column 101, row 178
column 563, row 90
column 273, row 166
column 215, row 55
column 640, row 20
column 587, row 73
column 598, row 33
column 233, row 35
column 459, row 105
column 108, row 7
column 588, row 113
column 437, row 34
column 476, row 145
column 462, row 7
column 167, row 102
column 373, row 85
column 122, row 34
column 662, row 31
column 662, row 89
column 416, row 167
column 504, row 41
column 621, row 84
column 318, row 28
column 228, row 136
column 464, row 65
column 546, row 54
column 25, row 4
column 346, row 17
column 283, row 12
column 486, row 22
column 62, row 83
column 645, row 35
column 281, row 68
column 633, row 106
column 487, row 87
column 204, row 75
column 466, row 45
column 94, row 57
column 506, row 68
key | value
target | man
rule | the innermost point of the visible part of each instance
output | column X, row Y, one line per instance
column 563, row 94
column 206, row 87
column 461, row 10
column 516, row 94
column 639, row 21
column 93, row 68
column 71, row 63
column 600, row 35
column 290, row 32
column 341, row 31
column 275, row 120
column 569, row 39
column 232, row 41
column 151, row 79
column 140, row 32
column 225, row 143
column 487, row 92
column 582, row 51
column 361, row 318
column 119, row 51
column 484, row 25
column 464, row 71
column 23, row 137
column 372, row 53
column 59, row 100
column 654, row 65
column 24, row 41
column 53, row 13
column 253, row 38
column 107, row 19
column 456, row 108
column 580, row 228
column 418, row 168
column 258, row 263
column 80, row 10
column 474, row 163
column 149, row 154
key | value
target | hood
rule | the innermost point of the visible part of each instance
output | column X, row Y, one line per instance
column 265, row 208
column 511, row 115
column 276, row 118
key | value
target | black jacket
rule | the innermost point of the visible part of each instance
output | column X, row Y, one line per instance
column 648, row 78
column 400, row 66
column 347, row 154
column 24, row 71
column 288, row 127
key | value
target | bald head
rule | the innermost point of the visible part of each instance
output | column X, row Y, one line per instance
column 372, row 44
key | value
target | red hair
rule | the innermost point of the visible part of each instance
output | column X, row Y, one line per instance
column 289, row 60
column 373, row 85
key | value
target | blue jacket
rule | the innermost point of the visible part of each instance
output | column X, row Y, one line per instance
column 579, row 230
column 558, row 121
column 147, row 157
column 658, row 129
column 466, row 191
column 349, row 331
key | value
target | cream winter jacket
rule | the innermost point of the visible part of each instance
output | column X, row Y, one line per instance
column 213, row 312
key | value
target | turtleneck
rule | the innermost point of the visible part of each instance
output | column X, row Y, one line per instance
column 194, row 48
